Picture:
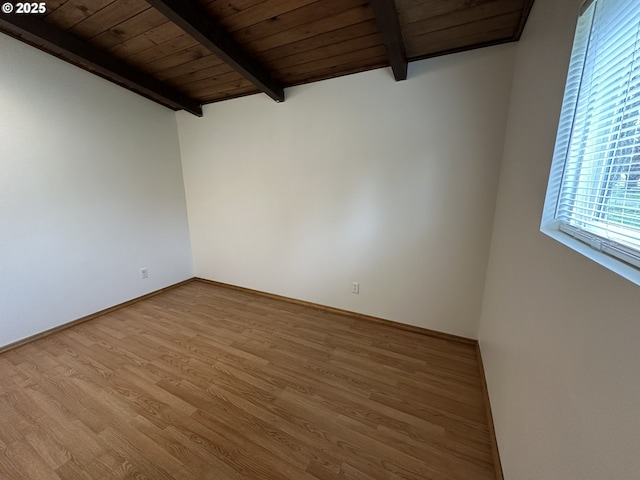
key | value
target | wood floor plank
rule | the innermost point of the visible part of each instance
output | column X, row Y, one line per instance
column 206, row 382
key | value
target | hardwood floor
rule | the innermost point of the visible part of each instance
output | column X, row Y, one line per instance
column 205, row 382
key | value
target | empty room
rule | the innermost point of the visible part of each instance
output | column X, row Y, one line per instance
column 319, row 239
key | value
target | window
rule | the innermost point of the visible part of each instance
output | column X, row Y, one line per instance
column 593, row 197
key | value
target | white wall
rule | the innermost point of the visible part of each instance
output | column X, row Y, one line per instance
column 91, row 190
column 560, row 335
column 356, row 179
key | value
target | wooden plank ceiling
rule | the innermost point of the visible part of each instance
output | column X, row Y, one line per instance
column 184, row 53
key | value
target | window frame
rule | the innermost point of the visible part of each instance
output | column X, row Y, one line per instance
column 616, row 257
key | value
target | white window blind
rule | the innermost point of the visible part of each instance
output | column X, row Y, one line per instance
column 594, row 184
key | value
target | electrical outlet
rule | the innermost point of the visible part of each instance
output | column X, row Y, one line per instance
column 144, row 273
column 355, row 287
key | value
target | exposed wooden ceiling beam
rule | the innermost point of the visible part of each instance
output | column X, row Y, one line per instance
column 33, row 30
column 389, row 26
column 196, row 23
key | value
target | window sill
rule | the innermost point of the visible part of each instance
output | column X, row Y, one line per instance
column 621, row 268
